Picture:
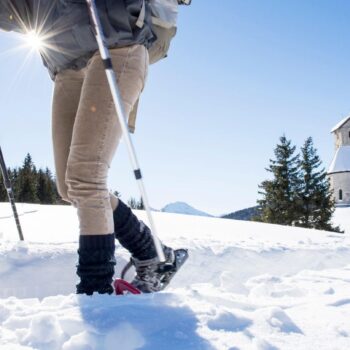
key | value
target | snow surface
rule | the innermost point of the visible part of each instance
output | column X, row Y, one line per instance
column 246, row 286
column 341, row 160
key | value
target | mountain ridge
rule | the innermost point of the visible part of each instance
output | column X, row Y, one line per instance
column 183, row 208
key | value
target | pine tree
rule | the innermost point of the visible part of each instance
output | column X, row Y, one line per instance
column 140, row 204
column 136, row 204
column 279, row 202
column 13, row 173
column 52, row 192
column 13, row 176
column 3, row 192
column 41, row 186
column 316, row 198
column 30, row 185
column 27, row 182
column 117, row 194
column 132, row 203
column 46, row 187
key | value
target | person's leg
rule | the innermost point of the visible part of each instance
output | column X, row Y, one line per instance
column 65, row 104
column 96, row 135
column 132, row 233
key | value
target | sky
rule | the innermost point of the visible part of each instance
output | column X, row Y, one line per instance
column 240, row 74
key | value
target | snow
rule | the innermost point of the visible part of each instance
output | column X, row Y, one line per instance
column 341, row 161
column 246, row 286
column 340, row 124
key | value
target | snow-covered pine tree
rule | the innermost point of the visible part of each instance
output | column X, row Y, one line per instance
column 316, row 199
column 279, row 195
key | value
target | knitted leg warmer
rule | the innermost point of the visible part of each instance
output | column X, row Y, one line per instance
column 133, row 234
column 96, row 264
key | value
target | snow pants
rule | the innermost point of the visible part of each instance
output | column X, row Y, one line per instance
column 86, row 133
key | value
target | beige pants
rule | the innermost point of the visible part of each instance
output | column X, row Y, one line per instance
column 86, row 133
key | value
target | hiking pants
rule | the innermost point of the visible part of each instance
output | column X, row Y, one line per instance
column 86, row 133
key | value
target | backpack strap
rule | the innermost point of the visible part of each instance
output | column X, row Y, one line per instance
column 132, row 117
column 141, row 20
column 157, row 21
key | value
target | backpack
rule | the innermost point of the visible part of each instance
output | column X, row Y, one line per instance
column 164, row 20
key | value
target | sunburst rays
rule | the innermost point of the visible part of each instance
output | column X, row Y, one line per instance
column 32, row 36
column 38, row 28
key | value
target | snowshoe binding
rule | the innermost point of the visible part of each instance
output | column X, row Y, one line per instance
column 151, row 276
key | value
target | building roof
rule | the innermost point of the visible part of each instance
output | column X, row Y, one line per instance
column 341, row 161
column 340, row 124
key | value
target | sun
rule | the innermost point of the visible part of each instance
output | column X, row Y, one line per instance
column 34, row 40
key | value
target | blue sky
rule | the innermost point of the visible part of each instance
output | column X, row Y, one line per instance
column 239, row 75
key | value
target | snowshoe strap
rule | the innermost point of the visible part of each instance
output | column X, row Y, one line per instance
column 144, row 263
column 126, row 269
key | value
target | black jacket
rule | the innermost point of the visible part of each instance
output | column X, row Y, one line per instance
column 67, row 31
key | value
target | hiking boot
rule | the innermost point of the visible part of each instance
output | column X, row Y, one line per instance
column 150, row 273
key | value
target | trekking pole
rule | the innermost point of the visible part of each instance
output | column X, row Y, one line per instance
column 112, row 81
column 8, row 186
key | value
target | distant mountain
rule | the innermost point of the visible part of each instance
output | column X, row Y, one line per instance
column 244, row 214
column 183, row 208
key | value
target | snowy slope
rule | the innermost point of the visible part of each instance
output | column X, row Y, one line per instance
column 246, row 286
column 183, row 208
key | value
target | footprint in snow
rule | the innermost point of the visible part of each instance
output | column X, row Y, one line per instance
column 260, row 344
column 280, row 320
column 229, row 322
column 340, row 302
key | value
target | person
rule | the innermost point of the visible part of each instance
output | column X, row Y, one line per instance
column 85, row 128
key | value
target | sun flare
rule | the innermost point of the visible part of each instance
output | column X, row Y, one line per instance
column 34, row 40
